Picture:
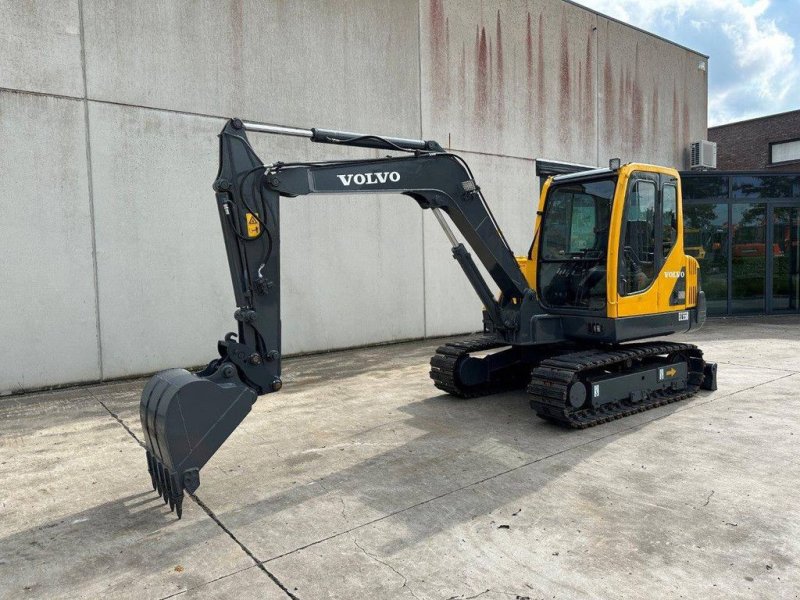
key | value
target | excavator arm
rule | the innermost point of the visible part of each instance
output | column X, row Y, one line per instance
column 186, row 417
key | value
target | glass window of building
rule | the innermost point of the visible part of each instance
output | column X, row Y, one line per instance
column 702, row 187
column 752, row 186
column 705, row 231
column 748, row 257
column 785, row 258
column 784, row 151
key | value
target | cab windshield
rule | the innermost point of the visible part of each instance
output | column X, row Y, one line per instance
column 574, row 243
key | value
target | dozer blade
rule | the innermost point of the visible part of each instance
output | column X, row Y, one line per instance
column 185, row 419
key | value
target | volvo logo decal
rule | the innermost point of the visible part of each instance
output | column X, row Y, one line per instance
column 369, row 178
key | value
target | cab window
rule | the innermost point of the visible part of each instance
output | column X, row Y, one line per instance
column 638, row 255
column 574, row 242
column 669, row 218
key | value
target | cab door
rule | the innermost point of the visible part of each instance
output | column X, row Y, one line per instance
column 650, row 264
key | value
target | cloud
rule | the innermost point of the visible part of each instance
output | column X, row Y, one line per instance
column 753, row 64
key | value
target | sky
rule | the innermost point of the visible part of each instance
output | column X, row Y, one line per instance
column 753, row 45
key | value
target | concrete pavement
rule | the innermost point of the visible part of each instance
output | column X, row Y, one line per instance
column 359, row 480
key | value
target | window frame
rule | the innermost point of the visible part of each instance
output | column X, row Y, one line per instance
column 791, row 161
column 658, row 259
column 539, row 242
column 673, row 185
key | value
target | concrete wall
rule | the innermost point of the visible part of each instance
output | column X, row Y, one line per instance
column 113, row 258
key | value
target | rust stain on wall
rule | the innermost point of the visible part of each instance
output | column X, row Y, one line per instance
column 462, row 76
column 501, row 90
column 529, row 51
column 624, row 108
column 579, row 118
column 685, row 119
column 589, row 96
column 437, row 44
column 482, row 74
column 654, row 112
column 676, row 115
column 609, row 99
column 491, row 64
column 540, row 95
column 564, row 85
column 447, row 57
column 637, row 107
column 529, row 73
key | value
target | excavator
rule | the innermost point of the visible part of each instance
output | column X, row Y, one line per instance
column 606, row 269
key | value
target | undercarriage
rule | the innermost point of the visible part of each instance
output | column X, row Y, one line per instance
column 575, row 386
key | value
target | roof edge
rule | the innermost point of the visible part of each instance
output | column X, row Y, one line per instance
column 761, row 118
column 650, row 33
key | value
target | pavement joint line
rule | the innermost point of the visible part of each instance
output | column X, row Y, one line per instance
column 119, row 420
column 210, row 513
column 246, row 550
column 205, row 583
column 527, row 464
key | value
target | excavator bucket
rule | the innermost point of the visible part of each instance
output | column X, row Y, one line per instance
column 185, row 419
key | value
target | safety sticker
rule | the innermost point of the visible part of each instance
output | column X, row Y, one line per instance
column 253, row 226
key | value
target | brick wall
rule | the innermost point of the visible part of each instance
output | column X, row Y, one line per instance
column 745, row 145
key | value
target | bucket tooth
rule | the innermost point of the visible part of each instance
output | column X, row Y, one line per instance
column 163, row 476
column 151, row 468
column 185, row 419
column 159, row 487
column 168, row 497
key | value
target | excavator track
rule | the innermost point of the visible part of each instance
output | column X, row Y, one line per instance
column 553, row 380
column 446, row 362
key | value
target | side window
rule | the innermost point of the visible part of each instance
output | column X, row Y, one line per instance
column 638, row 256
column 669, row 218
column 583, row 233
column 556, row 230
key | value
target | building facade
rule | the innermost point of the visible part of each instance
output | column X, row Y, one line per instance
column 109, row 112
column 744, row 229
column 771, row 142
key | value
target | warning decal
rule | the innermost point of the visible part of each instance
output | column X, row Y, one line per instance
column 253, row 226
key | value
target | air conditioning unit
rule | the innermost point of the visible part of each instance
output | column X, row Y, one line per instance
column 703, row 155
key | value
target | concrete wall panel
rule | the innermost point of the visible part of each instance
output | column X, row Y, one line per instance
column 164, row 288
column 351, row 267
column 548, row 79
column 40, row 46
column 653, row 97
column 351, row 65
column 511, row 190
column 47, row 297
column 509, row 77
